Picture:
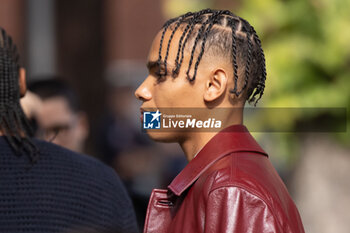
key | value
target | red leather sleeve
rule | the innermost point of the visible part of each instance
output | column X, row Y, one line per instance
column 234, row 209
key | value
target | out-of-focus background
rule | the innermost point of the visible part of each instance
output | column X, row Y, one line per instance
column 85, row 58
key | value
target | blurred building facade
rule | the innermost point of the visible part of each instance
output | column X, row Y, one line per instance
column 85, row 42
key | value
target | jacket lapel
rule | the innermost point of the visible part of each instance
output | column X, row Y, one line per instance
column 235, row 138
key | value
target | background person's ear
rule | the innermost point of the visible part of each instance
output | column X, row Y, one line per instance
column 215, row 86
column 22, row 81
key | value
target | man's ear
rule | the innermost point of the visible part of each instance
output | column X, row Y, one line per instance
column 216, row 85
column 22, row 81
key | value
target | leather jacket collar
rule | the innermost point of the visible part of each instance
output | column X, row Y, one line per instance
column 235, row 138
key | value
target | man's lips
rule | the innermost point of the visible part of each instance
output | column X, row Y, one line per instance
column 141, row 114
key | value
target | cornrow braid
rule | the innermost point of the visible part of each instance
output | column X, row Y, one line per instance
column 262, row 76
column 192, row 23
column 240, row 42
column 178, row 23
column 199, row 35
column 213, row 20
column 165, row 27
column 13, row 122
column 232, row 24
column 177, row 64
column 247, row 65
column 190, row 26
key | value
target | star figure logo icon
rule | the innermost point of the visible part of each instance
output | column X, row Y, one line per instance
column 155, row 115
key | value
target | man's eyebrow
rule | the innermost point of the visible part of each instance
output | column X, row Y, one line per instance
column 152, row 64
column 157, row 64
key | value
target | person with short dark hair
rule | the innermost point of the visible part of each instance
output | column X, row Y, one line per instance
column 212, row 60
column 44, row 187
column 59, row 118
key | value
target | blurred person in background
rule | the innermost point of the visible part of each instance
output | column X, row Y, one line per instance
column 139, row 161
column 209, row 60
column 122, row 146
column 44, row 187
column 59, row 118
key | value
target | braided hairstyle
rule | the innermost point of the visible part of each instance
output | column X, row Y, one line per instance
column 226, row 35
column 13, row 123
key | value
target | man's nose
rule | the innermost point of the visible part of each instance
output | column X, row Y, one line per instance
column 143, row 92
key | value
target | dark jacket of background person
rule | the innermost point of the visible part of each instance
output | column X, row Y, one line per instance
column 230, row 186
column 62, row 191
column 44, row 187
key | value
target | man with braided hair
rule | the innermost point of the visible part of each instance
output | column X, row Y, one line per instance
column 209, row 60
column 44, row 187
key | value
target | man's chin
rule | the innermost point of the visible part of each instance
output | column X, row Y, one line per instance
column 162, row 136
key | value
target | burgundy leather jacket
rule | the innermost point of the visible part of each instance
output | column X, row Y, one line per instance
column 230, row 186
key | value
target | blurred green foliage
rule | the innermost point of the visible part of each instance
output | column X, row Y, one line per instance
column 307, row 48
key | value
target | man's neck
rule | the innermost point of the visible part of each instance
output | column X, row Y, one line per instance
column 195, row 143
column 197, row 140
